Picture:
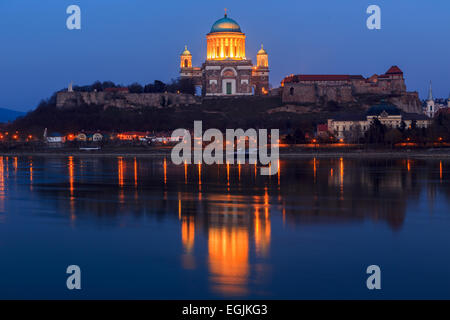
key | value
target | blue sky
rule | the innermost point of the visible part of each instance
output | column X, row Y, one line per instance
column 140, row 40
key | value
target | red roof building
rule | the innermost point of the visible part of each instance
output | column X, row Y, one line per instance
column 322, row 127
column 393, row 72
column 322, row 131
column 319, row 77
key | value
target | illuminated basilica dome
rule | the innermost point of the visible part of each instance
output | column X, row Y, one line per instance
column 225, row 25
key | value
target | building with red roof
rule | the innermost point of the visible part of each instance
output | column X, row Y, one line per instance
column 394, row 72
column 345, row 88
column 322, row 130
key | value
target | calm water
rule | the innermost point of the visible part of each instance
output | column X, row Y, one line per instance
column 144, row 228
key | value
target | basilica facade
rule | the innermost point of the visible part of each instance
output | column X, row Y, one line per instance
column 227, row 71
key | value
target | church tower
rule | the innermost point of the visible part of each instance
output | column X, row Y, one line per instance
column 262, row 58
column 431, row 108
column 260, row 73
column 186, row 59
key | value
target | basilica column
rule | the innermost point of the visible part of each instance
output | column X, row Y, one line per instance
column 211, row 49
column 217, row 48
column 227, row 47
column 239, row 47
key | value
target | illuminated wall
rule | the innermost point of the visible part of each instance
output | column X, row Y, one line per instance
column 186, row 62
column 262, row 59
column 223, row 45
column 186, row 59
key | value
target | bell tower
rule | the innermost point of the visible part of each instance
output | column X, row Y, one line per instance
column 431, row 108
column 262, row 58
column 186, row 59
column 260, row 74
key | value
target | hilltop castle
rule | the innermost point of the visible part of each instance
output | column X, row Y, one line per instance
column 347, row 89
column 227, row 71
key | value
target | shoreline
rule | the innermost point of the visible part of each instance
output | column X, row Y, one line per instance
column 361, row 154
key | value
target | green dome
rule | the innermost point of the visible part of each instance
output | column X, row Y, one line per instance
column 225, row 25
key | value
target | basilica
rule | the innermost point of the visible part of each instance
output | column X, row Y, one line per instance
column 227, row 71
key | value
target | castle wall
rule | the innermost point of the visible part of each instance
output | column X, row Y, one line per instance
column 382, row 86
column 349, row 92
column 124, row 100
column 316, row 93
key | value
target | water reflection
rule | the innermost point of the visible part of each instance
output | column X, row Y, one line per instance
column 262, row 229
column 120, row 177
column 228, row 257
column 31, row 174
column 2, row 186
column 135, row 172
column 225, row 215
column 71, row 176
column 71, row 189
column 188, row 233
column 120, row 171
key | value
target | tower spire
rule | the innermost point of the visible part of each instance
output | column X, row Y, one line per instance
column 430, row 93
column 225, row 12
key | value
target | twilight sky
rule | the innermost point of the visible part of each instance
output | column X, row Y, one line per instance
column 140, row 40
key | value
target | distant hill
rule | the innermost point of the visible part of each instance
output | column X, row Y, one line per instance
column 9, row 115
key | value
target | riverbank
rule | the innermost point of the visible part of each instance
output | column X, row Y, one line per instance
column 288, row 152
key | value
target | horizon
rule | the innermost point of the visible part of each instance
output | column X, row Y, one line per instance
column 325, row 37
